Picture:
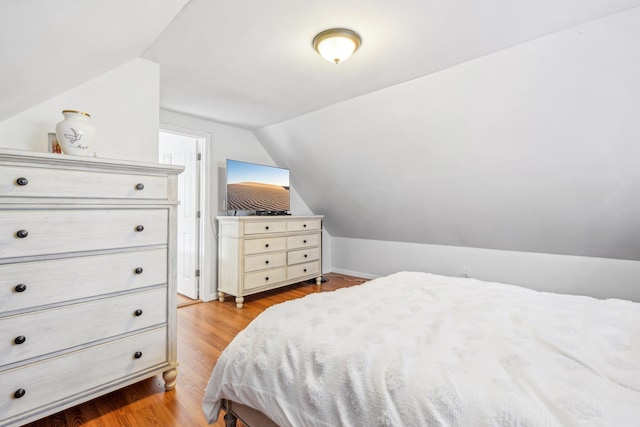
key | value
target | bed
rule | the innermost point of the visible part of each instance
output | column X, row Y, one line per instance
column 418, row 349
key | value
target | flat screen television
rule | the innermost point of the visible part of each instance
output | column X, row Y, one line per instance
column 260, row 188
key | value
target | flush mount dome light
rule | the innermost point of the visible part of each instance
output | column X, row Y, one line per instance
column 337, row 44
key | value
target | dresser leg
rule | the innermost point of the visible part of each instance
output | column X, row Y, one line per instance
column 239, row 301
column 221, row 296
column 170, row 379
column 319, row 280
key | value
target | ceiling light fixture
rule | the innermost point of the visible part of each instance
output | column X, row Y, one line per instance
column 337, row 44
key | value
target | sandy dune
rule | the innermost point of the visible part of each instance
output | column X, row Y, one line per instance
column 255, row 196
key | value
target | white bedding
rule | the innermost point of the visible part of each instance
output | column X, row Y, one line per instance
column 416, row 349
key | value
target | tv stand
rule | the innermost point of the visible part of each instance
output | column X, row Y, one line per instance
column 258, row 253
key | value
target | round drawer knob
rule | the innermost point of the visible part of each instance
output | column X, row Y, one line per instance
column 19, row 393
column 139, row 270
column 138, row 312
column 22, row 181
column 304, row 225
column 304, row 241
column 20, row 339
column 266, row 262
column 22, row 234
column 266, row 246
column 140, row 186
column 305, row 255
column 139, row 228
column 21, row 287
column 267, row 227
column 305, row 270
column 266, row 279
column 137, row 354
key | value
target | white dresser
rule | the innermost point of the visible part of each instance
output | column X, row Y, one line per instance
column 258, row 253
column 87, row 279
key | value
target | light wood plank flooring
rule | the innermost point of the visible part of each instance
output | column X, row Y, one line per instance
column 184, row 301
column 204, row 330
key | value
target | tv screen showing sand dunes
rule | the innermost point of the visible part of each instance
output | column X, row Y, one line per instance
column 256, row 187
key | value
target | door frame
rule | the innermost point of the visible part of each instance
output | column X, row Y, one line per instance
column 206, row 285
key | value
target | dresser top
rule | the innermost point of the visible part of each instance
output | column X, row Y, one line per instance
column 23, row 157
column 262, row 218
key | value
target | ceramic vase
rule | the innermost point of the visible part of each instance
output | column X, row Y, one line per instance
column 75, row 134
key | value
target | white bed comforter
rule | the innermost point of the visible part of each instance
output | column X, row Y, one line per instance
column 416, row 349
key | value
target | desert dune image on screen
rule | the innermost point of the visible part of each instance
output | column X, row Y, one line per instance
column 256, row 187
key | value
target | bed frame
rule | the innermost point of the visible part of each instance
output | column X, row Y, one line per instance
column 249, row 416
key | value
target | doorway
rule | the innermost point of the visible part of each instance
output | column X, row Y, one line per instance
column 185, row 150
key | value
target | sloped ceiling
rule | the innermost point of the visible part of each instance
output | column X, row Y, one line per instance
column 251, row 64
column 534, row 148
column 49, row 47
column 497, row 124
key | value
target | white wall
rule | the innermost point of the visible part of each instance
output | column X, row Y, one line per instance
column 227, row 142
column 123, row 104
column 597, row 277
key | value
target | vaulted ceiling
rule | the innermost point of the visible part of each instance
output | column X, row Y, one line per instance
column 251, row 63
column 497, row 124
column 49, row 47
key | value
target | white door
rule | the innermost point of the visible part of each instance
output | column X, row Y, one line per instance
column 183, row 150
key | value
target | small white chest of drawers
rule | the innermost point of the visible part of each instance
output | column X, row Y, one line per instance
column 258, row 253
column 87, row 279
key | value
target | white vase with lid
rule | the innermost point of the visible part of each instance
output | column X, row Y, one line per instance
column 75, row 134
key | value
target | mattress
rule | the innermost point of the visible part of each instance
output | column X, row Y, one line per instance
column 426, row 350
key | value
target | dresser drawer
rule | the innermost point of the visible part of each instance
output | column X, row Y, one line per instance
column 303, row 241
column 57, row 280
column 258, row 246
column 302, row 270
column 303, row 225
column 304, row 255
column 44, row 182
column 264, row 278
column 261, row 262
column 264, row 227
column 53, row 330
column 62, row 377
column 62, row 231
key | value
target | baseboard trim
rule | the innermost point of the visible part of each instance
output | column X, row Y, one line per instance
column 354, row 273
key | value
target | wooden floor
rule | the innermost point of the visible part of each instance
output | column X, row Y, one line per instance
column 184, row 301
column 204, row 330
